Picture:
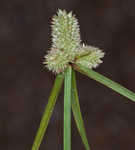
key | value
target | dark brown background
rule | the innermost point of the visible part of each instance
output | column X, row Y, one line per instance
column 25, row 86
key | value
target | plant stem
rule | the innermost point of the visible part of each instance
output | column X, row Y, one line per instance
column 77, row 112
column 105, row 81
column 48, row 111
column 67, row 109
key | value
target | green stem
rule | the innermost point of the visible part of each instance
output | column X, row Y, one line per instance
column 48, row 111
column 77, row 112
column 67, row 109
column 105, row 81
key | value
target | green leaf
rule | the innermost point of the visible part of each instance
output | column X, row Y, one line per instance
column 105, row 81
column 67, row 109
column 48, row 111
column 77, row 112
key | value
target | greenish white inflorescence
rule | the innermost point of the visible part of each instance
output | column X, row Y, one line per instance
column 65, row 32
column 89, row 56
column 66, row 45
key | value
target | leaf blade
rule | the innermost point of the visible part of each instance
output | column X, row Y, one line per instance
column 48, row 111
column 106, row 81
column 77, row 112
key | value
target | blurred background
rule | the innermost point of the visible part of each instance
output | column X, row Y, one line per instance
column 25, row 36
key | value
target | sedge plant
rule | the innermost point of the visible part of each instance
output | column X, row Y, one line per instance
column 66, row 56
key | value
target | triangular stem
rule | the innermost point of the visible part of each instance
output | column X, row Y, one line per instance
column 67, row 109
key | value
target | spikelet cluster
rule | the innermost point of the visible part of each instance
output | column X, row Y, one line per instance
column 89, row 56
column 57, row 60
column 66, row 45
column 65, row 31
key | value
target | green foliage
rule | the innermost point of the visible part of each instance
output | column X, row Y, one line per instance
column 48, row 111
column 77, row 112
column 107, row 82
